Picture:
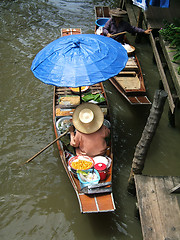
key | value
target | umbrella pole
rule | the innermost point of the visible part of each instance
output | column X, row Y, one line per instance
column 80, row 95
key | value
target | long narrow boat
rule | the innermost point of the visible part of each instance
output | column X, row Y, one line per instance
column 64, row 102
column 129, row 82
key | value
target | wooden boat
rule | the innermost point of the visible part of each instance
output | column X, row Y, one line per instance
column 70, row 31
column 64, row 102
column 129, row 82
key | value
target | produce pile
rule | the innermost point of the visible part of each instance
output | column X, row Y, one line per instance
column 171, row 34
column 81, row 164
column 64, row 125
column 128, row 48
column 98, row 97
column 87, row 176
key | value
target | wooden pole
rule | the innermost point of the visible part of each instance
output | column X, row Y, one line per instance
column 80, row 95
column 161, row 72
column 42, row 150
column 117, row 34
column 121, row 4
column 139, row 25
column 147, row 136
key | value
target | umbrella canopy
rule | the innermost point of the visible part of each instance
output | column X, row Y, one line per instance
column 79, row 60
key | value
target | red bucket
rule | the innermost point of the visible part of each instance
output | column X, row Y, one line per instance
column 102, row 169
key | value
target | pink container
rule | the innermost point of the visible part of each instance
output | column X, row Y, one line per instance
column 102, row 169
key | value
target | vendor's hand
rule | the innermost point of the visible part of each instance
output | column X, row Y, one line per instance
column 71, row 129
column 148, row 31
column 109, row 35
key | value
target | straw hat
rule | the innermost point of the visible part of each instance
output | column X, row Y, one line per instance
column 118, row 12
column 88, row 118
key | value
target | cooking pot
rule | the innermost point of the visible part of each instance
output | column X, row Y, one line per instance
column 102, row 170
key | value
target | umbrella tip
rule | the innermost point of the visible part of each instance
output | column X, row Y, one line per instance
column 76, row 44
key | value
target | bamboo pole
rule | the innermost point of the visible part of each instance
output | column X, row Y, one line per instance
column 42, row 150
column 147, row 136
column 117, row 34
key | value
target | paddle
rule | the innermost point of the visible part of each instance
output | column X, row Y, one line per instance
column 116, row 34
column 46, row 147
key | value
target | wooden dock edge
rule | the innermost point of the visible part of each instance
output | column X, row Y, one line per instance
column 158, row 209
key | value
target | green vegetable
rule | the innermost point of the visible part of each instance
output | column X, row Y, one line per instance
column 171, row 33
column 96, row 97
column 82, row 172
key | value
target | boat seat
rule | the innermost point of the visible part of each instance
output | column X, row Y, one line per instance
column 131, row 64
column 64, row 112
column 132, row 73
column 130, row 68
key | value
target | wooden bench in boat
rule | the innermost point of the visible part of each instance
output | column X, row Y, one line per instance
column 131, row 65
column 125, row 73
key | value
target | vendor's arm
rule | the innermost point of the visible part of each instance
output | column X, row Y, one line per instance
column 74, row 141
column 106, row 28
column 106, row 131
column 132, row 29
column 148, row 31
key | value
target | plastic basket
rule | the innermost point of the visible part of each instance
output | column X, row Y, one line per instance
column 84, row 184
column 101, row 22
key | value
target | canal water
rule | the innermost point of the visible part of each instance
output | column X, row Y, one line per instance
column 37, row 200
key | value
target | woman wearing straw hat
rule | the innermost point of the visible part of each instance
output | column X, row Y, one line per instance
column 90, row 137
column 116, row 25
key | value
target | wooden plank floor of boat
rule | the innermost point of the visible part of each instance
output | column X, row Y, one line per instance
column 96, row 203
column 134, row 100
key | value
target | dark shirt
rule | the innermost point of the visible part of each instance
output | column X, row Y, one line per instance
column 110, row 27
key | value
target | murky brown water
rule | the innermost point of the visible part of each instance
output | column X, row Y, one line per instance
column 37, row 200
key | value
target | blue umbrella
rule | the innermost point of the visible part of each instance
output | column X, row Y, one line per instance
column 79, row 60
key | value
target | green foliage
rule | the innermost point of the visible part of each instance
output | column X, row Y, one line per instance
column 179, row 70
column 171, row 33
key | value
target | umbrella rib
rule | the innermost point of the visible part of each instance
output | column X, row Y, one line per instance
column 45, row 59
